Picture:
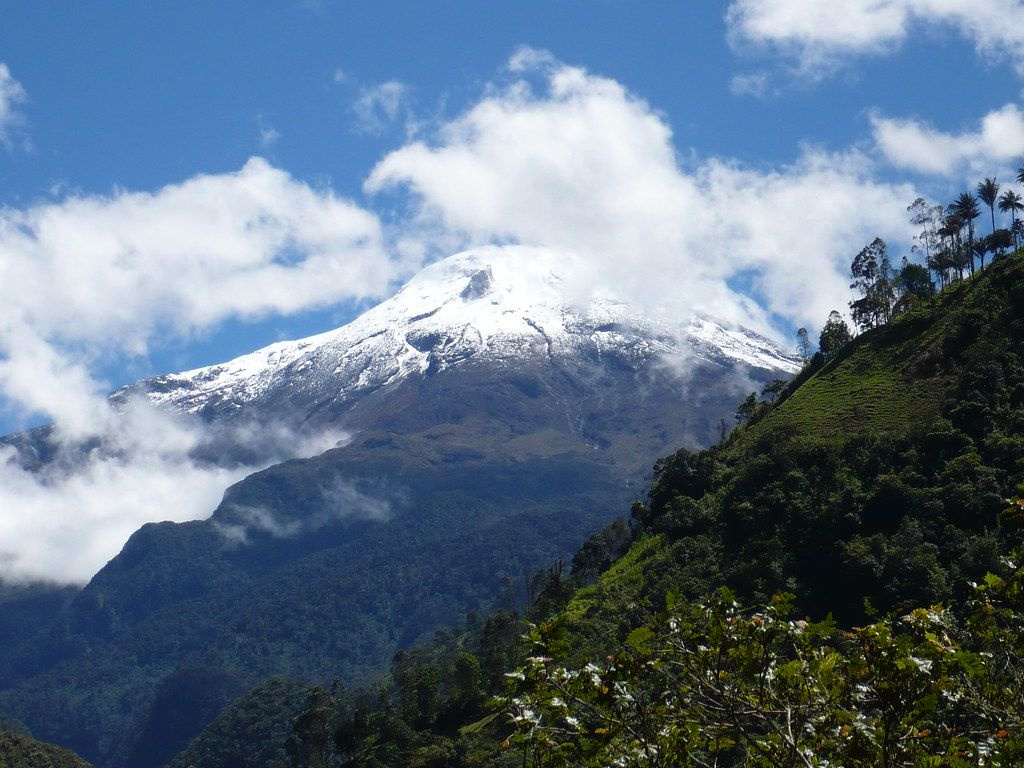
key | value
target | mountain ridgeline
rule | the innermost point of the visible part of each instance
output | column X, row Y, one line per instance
column 492, row 426
column 883, row 480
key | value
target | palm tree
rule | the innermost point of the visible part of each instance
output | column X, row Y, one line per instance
column 967, row 207
column 988, row 191
column 952, row 223
column 1012, row 202
column 981, row 246
column 1020, row 175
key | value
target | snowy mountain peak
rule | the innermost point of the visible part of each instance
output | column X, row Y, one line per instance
column 503, row 307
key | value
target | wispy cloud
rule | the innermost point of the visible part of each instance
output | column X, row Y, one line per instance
column 379, row 106
column 269, row 136
column 339, row 501
column 757, row 84
column 12, row 95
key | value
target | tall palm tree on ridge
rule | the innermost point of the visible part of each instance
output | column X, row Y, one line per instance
column 1012, row 202
column 967, row 207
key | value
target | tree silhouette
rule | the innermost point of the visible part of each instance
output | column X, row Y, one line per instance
column 1012, row 202
column 966, row 206
column 950, row 234
column 923, row 215
column 981, row 246
column 834, row 336
column 872, row 276
column 803, row 344
column 988, row 191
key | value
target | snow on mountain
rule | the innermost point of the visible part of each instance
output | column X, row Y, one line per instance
column 480, row 306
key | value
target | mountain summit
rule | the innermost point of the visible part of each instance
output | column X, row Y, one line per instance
column 503, row 308
column 495, row 422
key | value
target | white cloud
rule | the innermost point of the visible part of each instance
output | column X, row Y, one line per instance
column 582, row 165
column 997, row 142
column 11, row 95
column 380, row 106
column 823, row 35
column 90, row 277
column 339, row 501
column 111, row 271
column 62, row 523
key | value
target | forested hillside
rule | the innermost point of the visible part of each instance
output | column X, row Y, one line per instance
column 20, row 751
column 886, row 478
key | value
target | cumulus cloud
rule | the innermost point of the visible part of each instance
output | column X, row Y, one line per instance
column 997, row 142
column 820, row 36
column 12, row 94
column 243, row 244
column 577, row 163
column 90, row 277
column 378, row 107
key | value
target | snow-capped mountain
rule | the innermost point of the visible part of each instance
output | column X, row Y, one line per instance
column 472, row 308
column 494, row 422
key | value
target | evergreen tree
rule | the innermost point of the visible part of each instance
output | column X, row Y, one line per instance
column 872, row 276
column 834, row 336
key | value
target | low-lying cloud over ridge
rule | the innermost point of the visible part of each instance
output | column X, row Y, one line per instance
column 90, row 277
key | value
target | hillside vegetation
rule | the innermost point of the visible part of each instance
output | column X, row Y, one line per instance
column 883, row 480
column 20, row 751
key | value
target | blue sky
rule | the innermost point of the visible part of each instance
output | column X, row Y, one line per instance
column 135, row 96
column 184, row 182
